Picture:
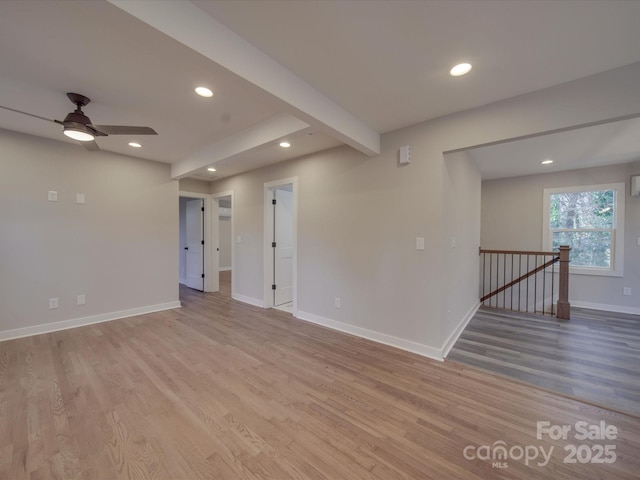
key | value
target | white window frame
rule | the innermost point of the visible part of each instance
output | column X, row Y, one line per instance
column 617, row 247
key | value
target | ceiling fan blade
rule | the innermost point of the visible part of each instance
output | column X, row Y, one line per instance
column 91, row 146
column 96, row 133
column 30, row 114
column 124, row 130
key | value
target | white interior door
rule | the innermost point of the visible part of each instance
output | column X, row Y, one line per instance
column 283, row 252
column 195, row 247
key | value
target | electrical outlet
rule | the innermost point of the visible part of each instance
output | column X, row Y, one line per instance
column 53, row 303
column 337, row 302
column 626, row 291
column 81, row 300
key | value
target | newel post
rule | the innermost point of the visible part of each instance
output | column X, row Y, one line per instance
column 564, row 309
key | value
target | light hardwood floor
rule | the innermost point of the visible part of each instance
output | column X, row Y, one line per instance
column 220, row 389
column 225, row 283
column 595, row 356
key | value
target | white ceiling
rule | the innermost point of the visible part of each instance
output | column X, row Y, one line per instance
column 594, row 146
column 334, row 71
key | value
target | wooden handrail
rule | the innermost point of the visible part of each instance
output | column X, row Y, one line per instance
column 516, row 252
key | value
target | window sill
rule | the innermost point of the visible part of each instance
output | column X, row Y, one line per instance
column 599, row 272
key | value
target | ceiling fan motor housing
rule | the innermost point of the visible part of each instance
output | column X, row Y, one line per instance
column 77, row 117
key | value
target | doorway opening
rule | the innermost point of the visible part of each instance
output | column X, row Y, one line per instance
column 197, row 242
column 191, row 258
column 224, row 248
column 280, row 233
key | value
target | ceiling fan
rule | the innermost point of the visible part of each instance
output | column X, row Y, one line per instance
column 78, row 126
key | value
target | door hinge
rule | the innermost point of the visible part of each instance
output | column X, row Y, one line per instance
column 273, row 244
column 202, row 242
column 202, row 209
column 203, row 275
column 273, row 202
column 273, row 287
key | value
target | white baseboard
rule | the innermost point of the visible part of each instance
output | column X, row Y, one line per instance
column 81, row 322
column 418, row 348
column 250, row 300
column 606, row 308
column 453, row 338
column 224, row 269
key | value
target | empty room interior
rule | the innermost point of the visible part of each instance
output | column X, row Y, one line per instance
column 322, row 239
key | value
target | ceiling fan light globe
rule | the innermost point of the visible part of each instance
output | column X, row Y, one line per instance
column 78, row 134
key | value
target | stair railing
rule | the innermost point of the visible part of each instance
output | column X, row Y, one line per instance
column 525, row 281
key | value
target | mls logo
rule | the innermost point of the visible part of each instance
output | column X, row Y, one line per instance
column 499, row 465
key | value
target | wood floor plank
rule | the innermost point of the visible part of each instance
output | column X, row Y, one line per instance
column 595, row 356
column 222, row 390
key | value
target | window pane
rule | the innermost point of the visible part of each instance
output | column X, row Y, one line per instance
column 582, row 209
column 588, row 249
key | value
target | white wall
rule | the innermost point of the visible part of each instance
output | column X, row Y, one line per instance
column 512, row 219
column 118, row 249
column 359, row 217
column 224, row 240
column 461, row 218
column 194, row 186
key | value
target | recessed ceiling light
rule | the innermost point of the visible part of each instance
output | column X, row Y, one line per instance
column 211, row 169
column 285, row 144
column 204, row 92
column 460, row 69
column 134, row 144
column 546, row 162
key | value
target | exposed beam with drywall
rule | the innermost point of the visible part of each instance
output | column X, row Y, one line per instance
column 256, row 136
column 189, row 25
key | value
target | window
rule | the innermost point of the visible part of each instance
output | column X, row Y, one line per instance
column 590, row 219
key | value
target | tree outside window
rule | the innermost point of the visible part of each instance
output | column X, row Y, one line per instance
column 590, row 220
column 585, row 221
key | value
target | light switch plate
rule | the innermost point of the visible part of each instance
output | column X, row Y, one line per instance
column 419, row 243
column 52, row 196
column 80, row 198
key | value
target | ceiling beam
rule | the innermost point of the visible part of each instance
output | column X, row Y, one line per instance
column 256, row 136
column 185, row 22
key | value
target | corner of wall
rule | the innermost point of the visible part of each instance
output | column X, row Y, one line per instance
column 453, row 338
